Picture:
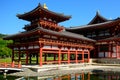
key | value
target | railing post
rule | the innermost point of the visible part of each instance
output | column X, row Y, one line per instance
column 5, row 64
column 13, row 64
column 19, row 64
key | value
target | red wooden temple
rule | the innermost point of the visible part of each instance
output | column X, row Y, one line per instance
column 44, row 37
column 105, row 32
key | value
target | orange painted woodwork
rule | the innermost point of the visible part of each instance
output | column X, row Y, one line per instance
column 44, row 36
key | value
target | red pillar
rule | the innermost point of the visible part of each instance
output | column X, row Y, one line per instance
column 83, row 55
column 59, row 61
column 117, row 56
column 118, row 52
column 88, row 56
column 40, row 56
column 109, row 52
column 76, row 56
column 68, row 55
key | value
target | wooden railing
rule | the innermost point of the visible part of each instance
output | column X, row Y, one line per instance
column 50, row 24
column 10, row 65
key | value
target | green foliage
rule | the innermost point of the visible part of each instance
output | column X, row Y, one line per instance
column 2, row 35
column 8, row 60
column 4, row 50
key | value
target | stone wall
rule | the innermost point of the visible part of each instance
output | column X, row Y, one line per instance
column 105, row 61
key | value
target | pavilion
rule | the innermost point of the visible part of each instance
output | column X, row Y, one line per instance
column 44, row 37
column 105, row 32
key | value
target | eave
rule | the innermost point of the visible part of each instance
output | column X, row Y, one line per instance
column 39, row 10
column 39, row 30
column 114, row 38
column 98, row 26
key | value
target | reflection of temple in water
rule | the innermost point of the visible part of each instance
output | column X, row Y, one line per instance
column 87, row 76
column 109, row 76
column 76, row 76
column 80, row 76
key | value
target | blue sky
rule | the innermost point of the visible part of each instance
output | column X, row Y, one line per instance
column 82, row 11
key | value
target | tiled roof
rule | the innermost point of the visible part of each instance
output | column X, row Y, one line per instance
column 40, row 8
column 97, row 17
column 61, row 34
column 114, row 38
column 96, row 26
column 88, row 26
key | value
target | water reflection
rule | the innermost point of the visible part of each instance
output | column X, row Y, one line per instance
column 108, row 75
column 78, row 76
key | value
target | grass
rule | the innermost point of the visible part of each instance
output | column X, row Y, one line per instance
column 8, row 60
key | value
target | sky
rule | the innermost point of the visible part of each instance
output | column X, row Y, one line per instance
column 81, row 11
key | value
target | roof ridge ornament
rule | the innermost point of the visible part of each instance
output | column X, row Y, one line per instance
column 44, row 5
column 98, row 12
column 39, row 4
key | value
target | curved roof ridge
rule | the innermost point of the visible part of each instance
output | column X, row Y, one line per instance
column 85, row 26
column 33, row 10
column 97, row 16
column 40, row 7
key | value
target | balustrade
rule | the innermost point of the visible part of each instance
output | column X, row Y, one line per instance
column 10, row 65
column 50, row 24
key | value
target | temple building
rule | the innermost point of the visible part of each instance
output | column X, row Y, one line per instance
column 44, row 37
column 105, row 32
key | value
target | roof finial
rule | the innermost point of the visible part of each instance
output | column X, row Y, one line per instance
column 39, row 4
column 98, row 12
column 45, row 6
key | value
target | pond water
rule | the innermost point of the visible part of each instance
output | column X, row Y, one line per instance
column 77, row 76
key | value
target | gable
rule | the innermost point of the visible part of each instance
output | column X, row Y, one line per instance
column 97, row 19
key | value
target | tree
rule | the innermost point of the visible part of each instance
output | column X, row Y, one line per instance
column 4, row 50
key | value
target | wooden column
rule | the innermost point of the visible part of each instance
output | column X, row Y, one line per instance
column 19, row 54
column 76, row 56
column 37, row 58
column 117, row 55
column 30, row 57
column 118, row 52
column 40, row 53
column 45, row 57
column 62, row 57
column 68, row 55
column 109, row 52
column 59, row 56
column 88, row 55
column 98, row 50
column 54, row 57
column 12, row 54
column 83, row 55
column 26, row 55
